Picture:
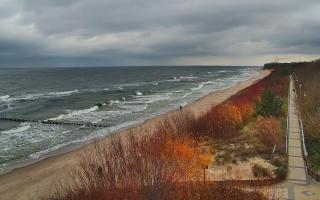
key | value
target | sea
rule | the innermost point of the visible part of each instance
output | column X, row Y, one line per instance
column 115, row 97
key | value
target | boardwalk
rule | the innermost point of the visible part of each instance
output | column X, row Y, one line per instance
column 298, row 185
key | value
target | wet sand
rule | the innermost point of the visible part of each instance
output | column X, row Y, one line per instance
column 36, row 179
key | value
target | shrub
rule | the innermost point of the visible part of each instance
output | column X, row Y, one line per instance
column 270, row 132
column 279, row 85
column 269, row 105
column 246, row 110
column 245, row 99
column 144, row 166
column 281, row 172
column 279, row 161
column 223, row 120
column 260, row 171
column 223, row 158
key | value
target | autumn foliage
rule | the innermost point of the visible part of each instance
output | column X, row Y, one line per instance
column 246, row 99
column 270, row 132
column 146, row 166
column 223, row 120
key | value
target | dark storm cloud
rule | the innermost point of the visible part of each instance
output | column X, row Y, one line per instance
column 124, row 32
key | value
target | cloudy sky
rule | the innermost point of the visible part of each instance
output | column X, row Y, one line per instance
column 157, row 32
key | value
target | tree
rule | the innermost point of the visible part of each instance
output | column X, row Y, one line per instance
column 269, row 105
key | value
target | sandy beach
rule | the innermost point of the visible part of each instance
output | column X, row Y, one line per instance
column 29, row 181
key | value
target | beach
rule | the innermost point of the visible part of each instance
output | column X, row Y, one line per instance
column 29, row 181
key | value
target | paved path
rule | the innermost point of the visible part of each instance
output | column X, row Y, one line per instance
column 299, row 186
column 296, row 164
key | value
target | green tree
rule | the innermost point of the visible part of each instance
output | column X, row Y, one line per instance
column 270, row 105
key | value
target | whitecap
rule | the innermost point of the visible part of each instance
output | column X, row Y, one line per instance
column 75, row 113
column 187, row 94
column 198, row 88
column 4, row 98
column 207, row 82
column 177, row 91
column 22, row 127
column 63, row 93
column 188, row 77
column 111, row 102
column 138, row 93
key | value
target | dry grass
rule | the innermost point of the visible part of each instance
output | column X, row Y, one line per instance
column 307, row 83
column 270, row 132
column 164, row 165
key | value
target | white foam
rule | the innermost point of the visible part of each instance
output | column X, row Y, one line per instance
column 22, row 127
column 207, row 82
column 4, row 98
column 111, row 102
column 153, row 98
column 198, row 88
column 42, row 95
column 75, row 113
column 187, row 94
column 6, row 109
column 138, row 93
column 177, row 91
column 63, row 93
column 188, row 77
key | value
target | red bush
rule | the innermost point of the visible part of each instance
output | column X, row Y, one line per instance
column 223, row 120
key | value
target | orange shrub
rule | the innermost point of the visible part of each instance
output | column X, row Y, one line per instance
column 246, row 110
column 223, row 120
column 184, row 152
column 270, row 132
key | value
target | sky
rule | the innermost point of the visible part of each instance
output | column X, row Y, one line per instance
column 48, row 33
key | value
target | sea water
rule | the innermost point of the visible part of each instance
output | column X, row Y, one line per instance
column 114, row 96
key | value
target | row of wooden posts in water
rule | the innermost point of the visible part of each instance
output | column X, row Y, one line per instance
column 85, row 124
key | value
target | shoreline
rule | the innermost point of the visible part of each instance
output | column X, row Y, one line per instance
column 24, row 162
column 35, row 177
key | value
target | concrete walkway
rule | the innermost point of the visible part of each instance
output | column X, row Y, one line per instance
column 298, row 185
column 296, row 164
